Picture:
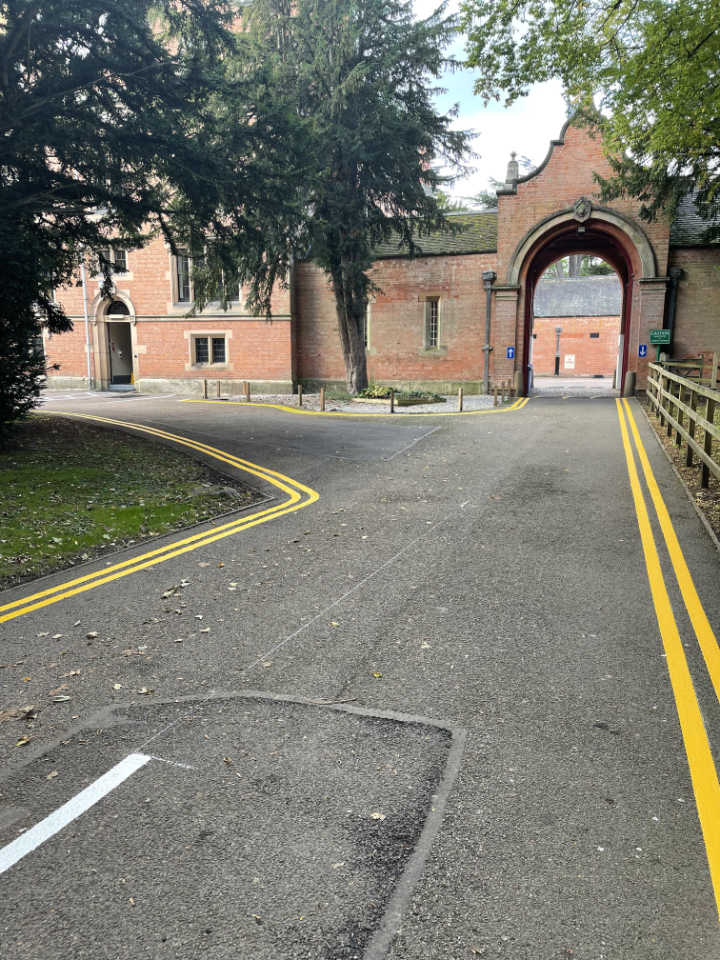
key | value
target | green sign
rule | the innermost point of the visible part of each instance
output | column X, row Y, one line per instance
column 658, row 337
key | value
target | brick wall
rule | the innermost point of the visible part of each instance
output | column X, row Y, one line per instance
column 592, row 356
column 397, row 319
column 697, row 317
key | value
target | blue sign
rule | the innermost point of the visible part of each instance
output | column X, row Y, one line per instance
column 511, row 353
column 642, row 350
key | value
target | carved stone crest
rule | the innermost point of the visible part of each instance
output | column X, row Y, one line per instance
column 582, row 209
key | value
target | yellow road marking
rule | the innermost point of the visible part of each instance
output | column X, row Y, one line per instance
column 700, row 760
column 299, row 496
column 327, row 413
column 698, row 617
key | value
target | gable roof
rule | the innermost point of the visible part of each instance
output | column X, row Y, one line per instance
column 478, row 234
column 578, row 297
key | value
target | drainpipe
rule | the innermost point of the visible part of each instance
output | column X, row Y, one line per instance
column 558, row 331
column 674, row 273
column 87, row 324
column 489, row 277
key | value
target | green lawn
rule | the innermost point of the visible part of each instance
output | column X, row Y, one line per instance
column 70, row 491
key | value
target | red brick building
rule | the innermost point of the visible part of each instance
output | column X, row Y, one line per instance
column 427, row 327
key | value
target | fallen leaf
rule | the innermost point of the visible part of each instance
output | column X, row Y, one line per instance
column 198, row 616
column 57, row 636
column 221, row 564
column 61, row 699
column 378, row 675
column 42, row 634
column 145, row 690
column 73, row 673
column 117, row 686
column 51, row 775
column 378, row 816
column 132, row 902
column 168, row 593
column 205, row 630
column 334, row 624
column 92, row 635
column 77, row 623
column 336, row 866
column 57, row 690
column 227, row 759
column 179, row 640
column 22, row 741
column 25, row 679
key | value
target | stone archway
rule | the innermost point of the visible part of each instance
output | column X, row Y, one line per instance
column 594, row 231
column 117, row 313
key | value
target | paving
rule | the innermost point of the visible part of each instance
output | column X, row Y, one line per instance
column 428, row 712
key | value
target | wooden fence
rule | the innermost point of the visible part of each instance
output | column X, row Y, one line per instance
column 676, row 399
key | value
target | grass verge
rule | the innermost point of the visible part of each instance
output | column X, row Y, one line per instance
column 72, row 492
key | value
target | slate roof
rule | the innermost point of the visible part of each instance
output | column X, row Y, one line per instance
column 478, row 235
column 579, row 297
column 687, row 230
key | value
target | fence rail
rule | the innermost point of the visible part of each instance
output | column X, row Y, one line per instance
column 676, row 398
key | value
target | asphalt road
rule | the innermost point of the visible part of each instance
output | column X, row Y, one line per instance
column 423, row 705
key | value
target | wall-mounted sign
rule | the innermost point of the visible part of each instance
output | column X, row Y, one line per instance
column 642, row 350
column 569, row 361
column 658, row 337
column 511, row 353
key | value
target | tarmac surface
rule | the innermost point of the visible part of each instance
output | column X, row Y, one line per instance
column 422, row 704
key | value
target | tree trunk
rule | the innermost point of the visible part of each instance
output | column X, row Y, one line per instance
column 351, row 327
column 575, row 265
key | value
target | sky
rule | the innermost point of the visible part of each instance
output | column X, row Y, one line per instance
column 526, row 128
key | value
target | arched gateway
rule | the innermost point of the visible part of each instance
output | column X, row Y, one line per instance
column 427, row 323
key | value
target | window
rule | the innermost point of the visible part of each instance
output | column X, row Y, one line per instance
column 118, row 260
column 433, row 323
column 208, row 351
column 218, row 349
column 183, row 281
column 38, row 347
column 201, row 350
column 594, row 336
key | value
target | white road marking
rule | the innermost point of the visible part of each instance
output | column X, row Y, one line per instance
column 69, row 811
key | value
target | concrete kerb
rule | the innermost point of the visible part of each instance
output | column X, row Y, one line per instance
column 688, row 492
column 518, row 405
column 381, row 940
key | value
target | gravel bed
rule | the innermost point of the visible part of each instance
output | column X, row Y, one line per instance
column 311, row 401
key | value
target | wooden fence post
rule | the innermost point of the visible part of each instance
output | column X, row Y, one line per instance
column 204, row 389
column 495, row 394
column 322, row 398
column 691, row 426
column 392, row 400
column 299, row 394
column 460, row 399
column 671, row 391
column 217, row 389
column 247, row 391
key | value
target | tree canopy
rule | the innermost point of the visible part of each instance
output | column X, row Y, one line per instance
column 644, row 71
column 120, row 119
column 362, row 73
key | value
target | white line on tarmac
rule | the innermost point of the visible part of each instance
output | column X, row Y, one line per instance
column 69, row 811
column 416, row 440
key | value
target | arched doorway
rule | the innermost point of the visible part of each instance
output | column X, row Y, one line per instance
column 590, row 231
column 117, row 322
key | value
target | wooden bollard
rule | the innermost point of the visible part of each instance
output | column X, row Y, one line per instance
column 204, row 389
column 299, row 394
column 494, row 394
column 392, row 401
column 460, row 399
column 503, row 391
column 322, row 398
column 247, row 391
column 217, row 389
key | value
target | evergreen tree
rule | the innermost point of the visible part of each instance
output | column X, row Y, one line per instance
column 118, row 120
column 362, row 74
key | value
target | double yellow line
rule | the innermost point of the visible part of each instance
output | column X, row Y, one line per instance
column 298, row 496
column 700, row 759
column 518, row 405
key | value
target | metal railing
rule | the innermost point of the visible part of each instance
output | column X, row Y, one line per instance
column 676, row 400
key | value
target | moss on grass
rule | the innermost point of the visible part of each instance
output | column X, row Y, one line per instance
column 71, row 491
